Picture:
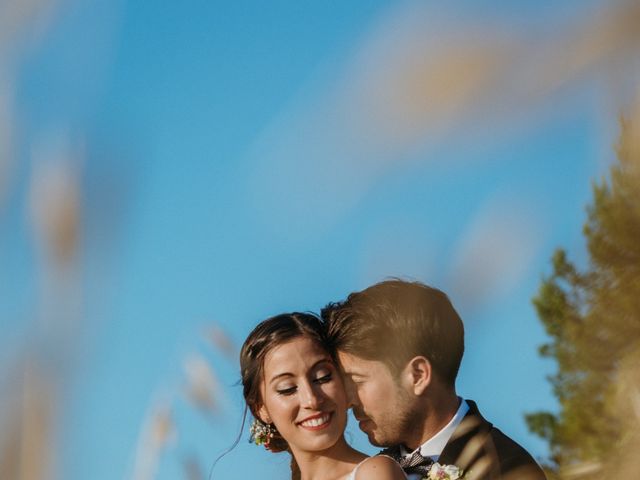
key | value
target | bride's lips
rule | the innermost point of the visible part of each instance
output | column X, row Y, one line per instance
column 317, row 422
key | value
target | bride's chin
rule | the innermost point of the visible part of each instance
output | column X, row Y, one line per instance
column 324, row 439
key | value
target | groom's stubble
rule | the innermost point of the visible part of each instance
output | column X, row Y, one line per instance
column 396, row 426
column 385, row 409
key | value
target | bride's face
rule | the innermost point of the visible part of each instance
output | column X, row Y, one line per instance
column 303, row 395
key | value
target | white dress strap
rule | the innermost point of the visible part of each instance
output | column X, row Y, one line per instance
column 352, row 475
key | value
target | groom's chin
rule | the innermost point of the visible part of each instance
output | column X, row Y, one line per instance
column 366, row 427
column 373, row 441
column 378, row 441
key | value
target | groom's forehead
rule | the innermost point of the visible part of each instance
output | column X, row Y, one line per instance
column 354, row 365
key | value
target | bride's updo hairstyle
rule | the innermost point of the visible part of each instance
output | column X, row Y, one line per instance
column 271, row 333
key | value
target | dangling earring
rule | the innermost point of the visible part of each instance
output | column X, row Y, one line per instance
column 261, row 433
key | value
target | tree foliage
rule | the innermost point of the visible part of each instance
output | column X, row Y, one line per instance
column 592, row 317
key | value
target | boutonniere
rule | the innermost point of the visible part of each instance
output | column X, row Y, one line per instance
column 445, row 472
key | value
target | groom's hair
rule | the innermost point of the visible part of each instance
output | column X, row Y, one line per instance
column 394, row 321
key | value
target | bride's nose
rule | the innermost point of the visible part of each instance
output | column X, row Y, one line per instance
column 311, row 397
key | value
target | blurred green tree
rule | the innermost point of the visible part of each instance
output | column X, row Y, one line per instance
column 592, row 317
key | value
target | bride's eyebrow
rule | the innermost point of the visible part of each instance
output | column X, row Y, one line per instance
column 289, row 374
column 280, row 375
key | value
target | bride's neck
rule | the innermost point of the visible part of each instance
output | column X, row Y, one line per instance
column 333, row 463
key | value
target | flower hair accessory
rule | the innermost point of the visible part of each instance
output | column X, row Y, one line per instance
column 445, row 472
column 261, row 433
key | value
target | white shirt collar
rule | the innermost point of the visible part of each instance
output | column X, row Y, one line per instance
column 434, row 446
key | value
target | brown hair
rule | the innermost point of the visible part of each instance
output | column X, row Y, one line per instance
column 265, row 336
column 394, row 321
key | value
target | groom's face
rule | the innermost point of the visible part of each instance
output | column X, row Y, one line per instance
column 381, row 405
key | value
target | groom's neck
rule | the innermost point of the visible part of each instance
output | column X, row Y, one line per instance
column 439, row 408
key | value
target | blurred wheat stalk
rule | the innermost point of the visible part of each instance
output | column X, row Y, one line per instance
column 32, row 384
column 449, row 89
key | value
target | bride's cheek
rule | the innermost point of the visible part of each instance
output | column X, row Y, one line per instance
column 337, row 395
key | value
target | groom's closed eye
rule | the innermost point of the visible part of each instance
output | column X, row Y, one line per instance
column 356, row 379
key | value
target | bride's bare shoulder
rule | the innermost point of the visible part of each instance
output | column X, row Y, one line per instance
column 380, row 467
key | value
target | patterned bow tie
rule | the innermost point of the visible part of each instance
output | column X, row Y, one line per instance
column 414, row 463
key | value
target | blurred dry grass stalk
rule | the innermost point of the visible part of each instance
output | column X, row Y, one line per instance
column 27, row 419
column 6, row 139
column 447, row 91
column 160, row 431
column 192, row 469
column 625, row 406
column 202, row 388
column 19, row 20
column 28, row 446
column 157, row 433
column 485, row 74
column 221, row 341
column 30, row 409
column 423, row 81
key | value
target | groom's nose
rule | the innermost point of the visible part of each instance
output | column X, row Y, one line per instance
column 352, row 397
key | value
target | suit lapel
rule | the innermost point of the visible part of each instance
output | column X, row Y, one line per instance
column 469, row 442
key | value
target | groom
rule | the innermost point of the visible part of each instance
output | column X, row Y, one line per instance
column 400, row 345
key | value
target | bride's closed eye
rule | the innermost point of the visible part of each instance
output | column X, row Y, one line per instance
column 327, row 377
column 323, row 376
column 286, row 391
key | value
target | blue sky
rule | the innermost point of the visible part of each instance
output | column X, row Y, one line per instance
column 239, row 160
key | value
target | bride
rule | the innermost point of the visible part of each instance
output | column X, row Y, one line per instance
column 294, row 390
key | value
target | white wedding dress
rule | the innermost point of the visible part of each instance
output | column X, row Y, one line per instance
column 352, row 475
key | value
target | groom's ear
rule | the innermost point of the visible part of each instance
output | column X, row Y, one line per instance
column 420, row 374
